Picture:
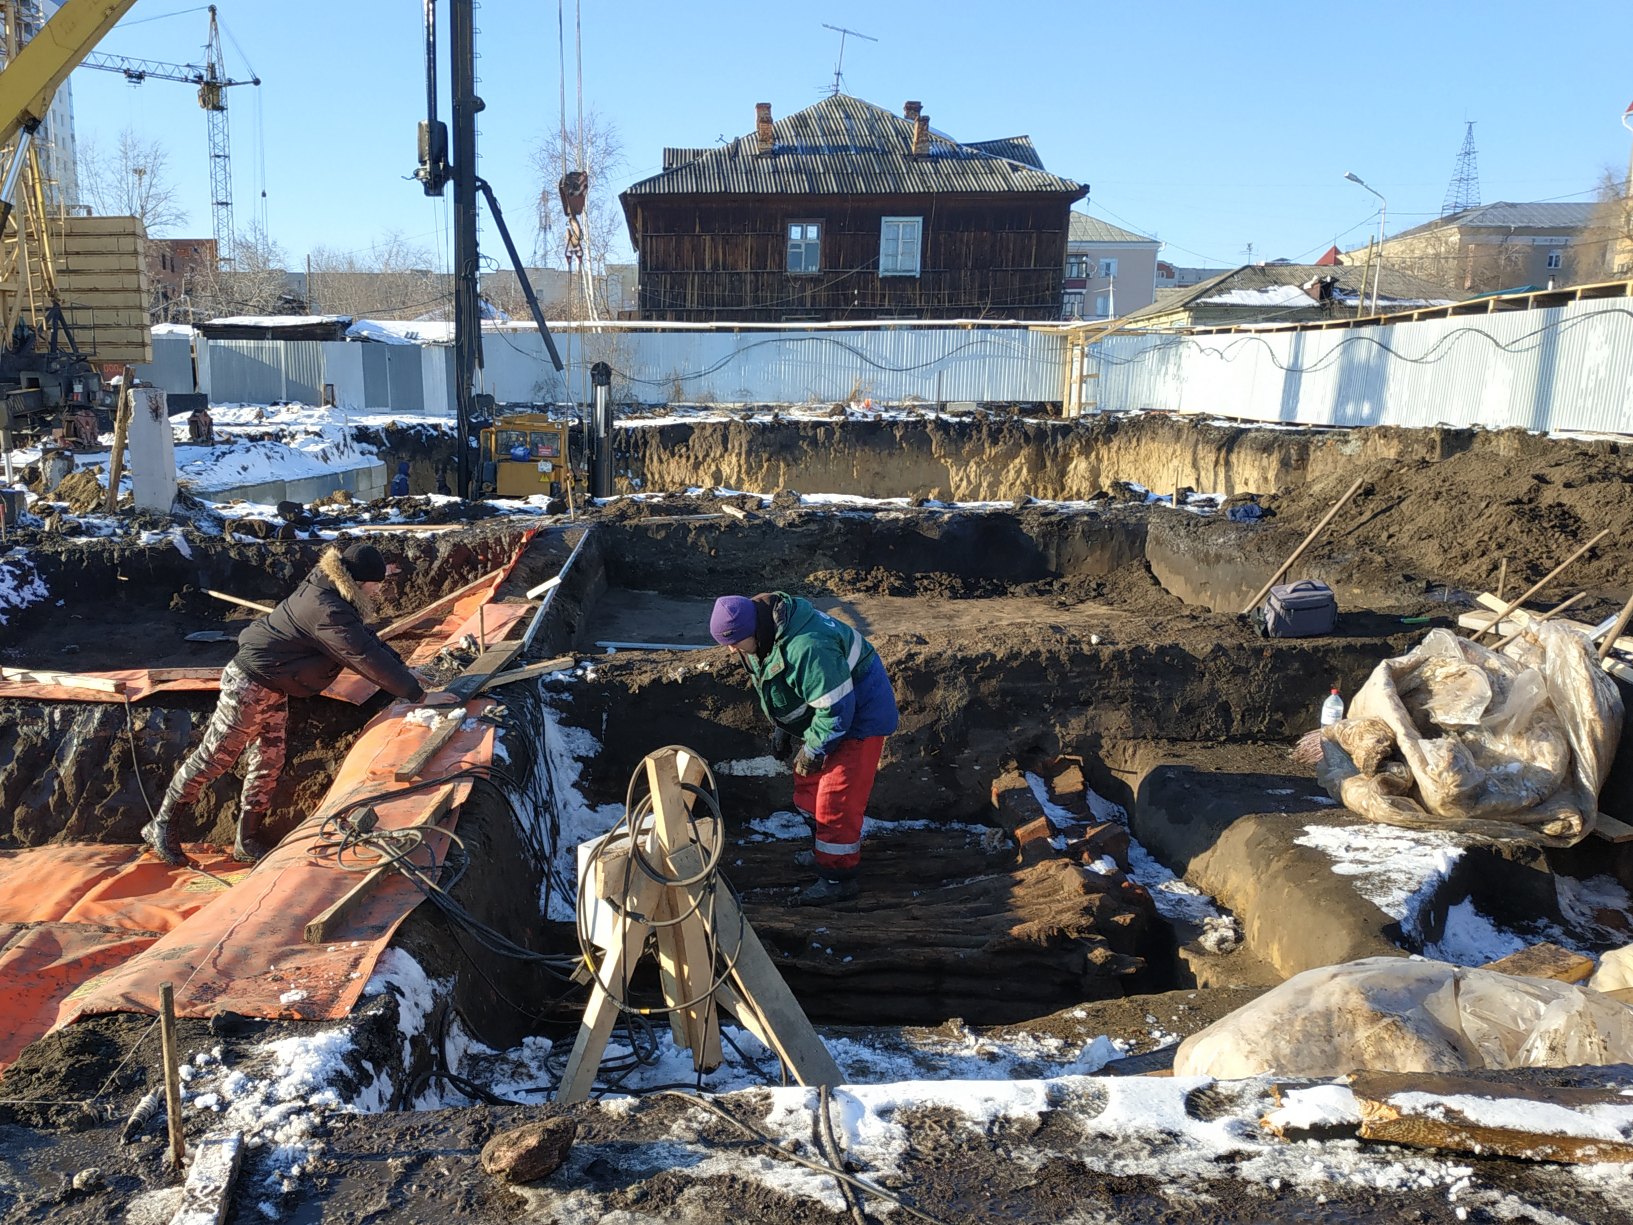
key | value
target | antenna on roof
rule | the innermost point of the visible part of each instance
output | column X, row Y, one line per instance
column 839, row 66
column 1464, row 189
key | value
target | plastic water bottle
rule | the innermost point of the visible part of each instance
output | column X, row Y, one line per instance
column 1332, row 710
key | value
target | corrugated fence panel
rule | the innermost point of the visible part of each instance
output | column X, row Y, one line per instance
column 1556, row 368
column 172, row 364
column 792, row 366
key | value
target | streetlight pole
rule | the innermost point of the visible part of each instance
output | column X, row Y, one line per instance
column 1383, row 214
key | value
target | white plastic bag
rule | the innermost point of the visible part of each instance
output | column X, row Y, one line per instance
column 1510, row 746
column 1395, row 1014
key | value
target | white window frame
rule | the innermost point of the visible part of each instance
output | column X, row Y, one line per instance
column 1071, row 304
column 1556, row 260
column 1102, row 306
column 1081, row 263
column 893, row 255
column 799, row 239
column 1108, row 268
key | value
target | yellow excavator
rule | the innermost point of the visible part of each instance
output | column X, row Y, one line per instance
column 43, row 369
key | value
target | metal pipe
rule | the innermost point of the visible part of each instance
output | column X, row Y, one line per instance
column 601, row 417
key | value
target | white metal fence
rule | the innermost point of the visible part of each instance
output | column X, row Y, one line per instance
column 1558, row 368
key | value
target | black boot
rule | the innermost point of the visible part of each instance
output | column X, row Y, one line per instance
column 246, row 847
column 162, row 837
column 825, row 892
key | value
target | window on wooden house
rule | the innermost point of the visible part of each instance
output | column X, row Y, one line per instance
column 805, row 246
column 899, row 246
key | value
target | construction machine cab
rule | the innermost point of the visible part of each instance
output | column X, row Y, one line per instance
column 529, row 453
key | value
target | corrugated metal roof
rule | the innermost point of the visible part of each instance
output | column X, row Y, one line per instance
column 843, row 146
column 1015, row 148
column 1547, row 216
column 1091, row 229
column 1393, row 286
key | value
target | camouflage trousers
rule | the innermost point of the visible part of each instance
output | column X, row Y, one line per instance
column 250, row 721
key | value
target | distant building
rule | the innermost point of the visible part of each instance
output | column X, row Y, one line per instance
column 561, row 294
column 845, row 210
column 1172, row 276
column 55, row 139
column 1495, row 246
column 1284, row 293
column 1109, row 270
column 180, row 272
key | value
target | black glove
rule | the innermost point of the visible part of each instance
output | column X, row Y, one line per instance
column 807, row 762
column 782, row 745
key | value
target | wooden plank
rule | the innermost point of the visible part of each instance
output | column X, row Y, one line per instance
column 490, row 663
column 1521, row 617
column 121, row 428
column 207, row 1194
column 323, row 926
column 442, row 732
column 1474, row 1115
column 414, row 618
column 691, row 968
column 655, row 646
column 629, row 938
column 68, row 680
column 1612, row 830
column 1545, row 961
column 528, row 671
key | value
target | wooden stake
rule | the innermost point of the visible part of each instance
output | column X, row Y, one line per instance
column 1308, row 540
column 1554, row 611
column 1543, row 582
column 1502, row 579
column 121, row 430
column 1616, row 628
column 232, row 599
column 172, row 1075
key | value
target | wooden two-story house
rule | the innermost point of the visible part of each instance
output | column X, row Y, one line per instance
column 845, row 210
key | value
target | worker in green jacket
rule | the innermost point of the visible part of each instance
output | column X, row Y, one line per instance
column 828, row 697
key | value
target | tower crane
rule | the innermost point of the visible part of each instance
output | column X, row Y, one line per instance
column 212, row 86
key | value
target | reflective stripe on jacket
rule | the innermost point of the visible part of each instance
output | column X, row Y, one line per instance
column 822, row 680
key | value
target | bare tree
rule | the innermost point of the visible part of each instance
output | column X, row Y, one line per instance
column 394, row 279
column 598, row 150
column 255, row 281
column 1604, row 248
column 130, row 180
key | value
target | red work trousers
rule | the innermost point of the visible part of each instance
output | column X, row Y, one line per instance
column 837, row 796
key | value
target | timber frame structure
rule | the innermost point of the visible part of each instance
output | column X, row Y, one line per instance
column 846, row 211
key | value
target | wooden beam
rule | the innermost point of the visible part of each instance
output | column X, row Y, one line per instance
column 528, row 671
column 323, row 926
column 121, row 429
column 414, row 618
column 494, row 660
column 207, row 1194
column 441, row 733
column 68, row 680
column 1474, row 1115
column 1545, row 961
column 1611, row 829
column 1547, row 578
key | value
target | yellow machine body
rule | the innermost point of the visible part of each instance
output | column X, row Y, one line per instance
column 527, row 454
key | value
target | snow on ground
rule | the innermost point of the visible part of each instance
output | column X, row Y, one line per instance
column 1398, row 870
column 20, row 583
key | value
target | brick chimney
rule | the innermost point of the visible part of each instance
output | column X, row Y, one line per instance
column 910, row 110
column 762, row 126
column 921, row 135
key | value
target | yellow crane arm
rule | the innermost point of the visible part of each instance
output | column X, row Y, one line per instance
column 29, row 82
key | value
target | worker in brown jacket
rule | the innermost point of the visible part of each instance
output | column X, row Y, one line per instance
column 296, row 650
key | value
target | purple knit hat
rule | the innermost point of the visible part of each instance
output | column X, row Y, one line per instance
column 732, row 619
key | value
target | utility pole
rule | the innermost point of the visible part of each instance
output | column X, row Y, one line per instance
column 467, row 311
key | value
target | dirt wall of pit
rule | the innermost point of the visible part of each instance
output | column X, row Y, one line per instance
column 985, row 459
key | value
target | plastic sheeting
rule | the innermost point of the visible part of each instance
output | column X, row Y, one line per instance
column 1391, row 1014
column 1454, row 735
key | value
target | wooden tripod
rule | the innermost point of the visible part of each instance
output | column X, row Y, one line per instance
column 693, row 925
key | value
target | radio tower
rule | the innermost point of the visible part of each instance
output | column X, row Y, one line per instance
column 1464, row 189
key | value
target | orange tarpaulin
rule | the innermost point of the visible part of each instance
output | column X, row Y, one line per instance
column 41, row 965
column 246, row 951
column 110, row 886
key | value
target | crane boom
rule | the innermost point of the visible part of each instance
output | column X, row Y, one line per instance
column 30, row 81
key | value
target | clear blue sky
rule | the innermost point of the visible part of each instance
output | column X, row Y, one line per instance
column 1209, row 125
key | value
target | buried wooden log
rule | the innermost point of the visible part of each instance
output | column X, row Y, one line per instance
column 1545, row 961
column 1306, row 543
column 1542, row 582
column 1490, row 1118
